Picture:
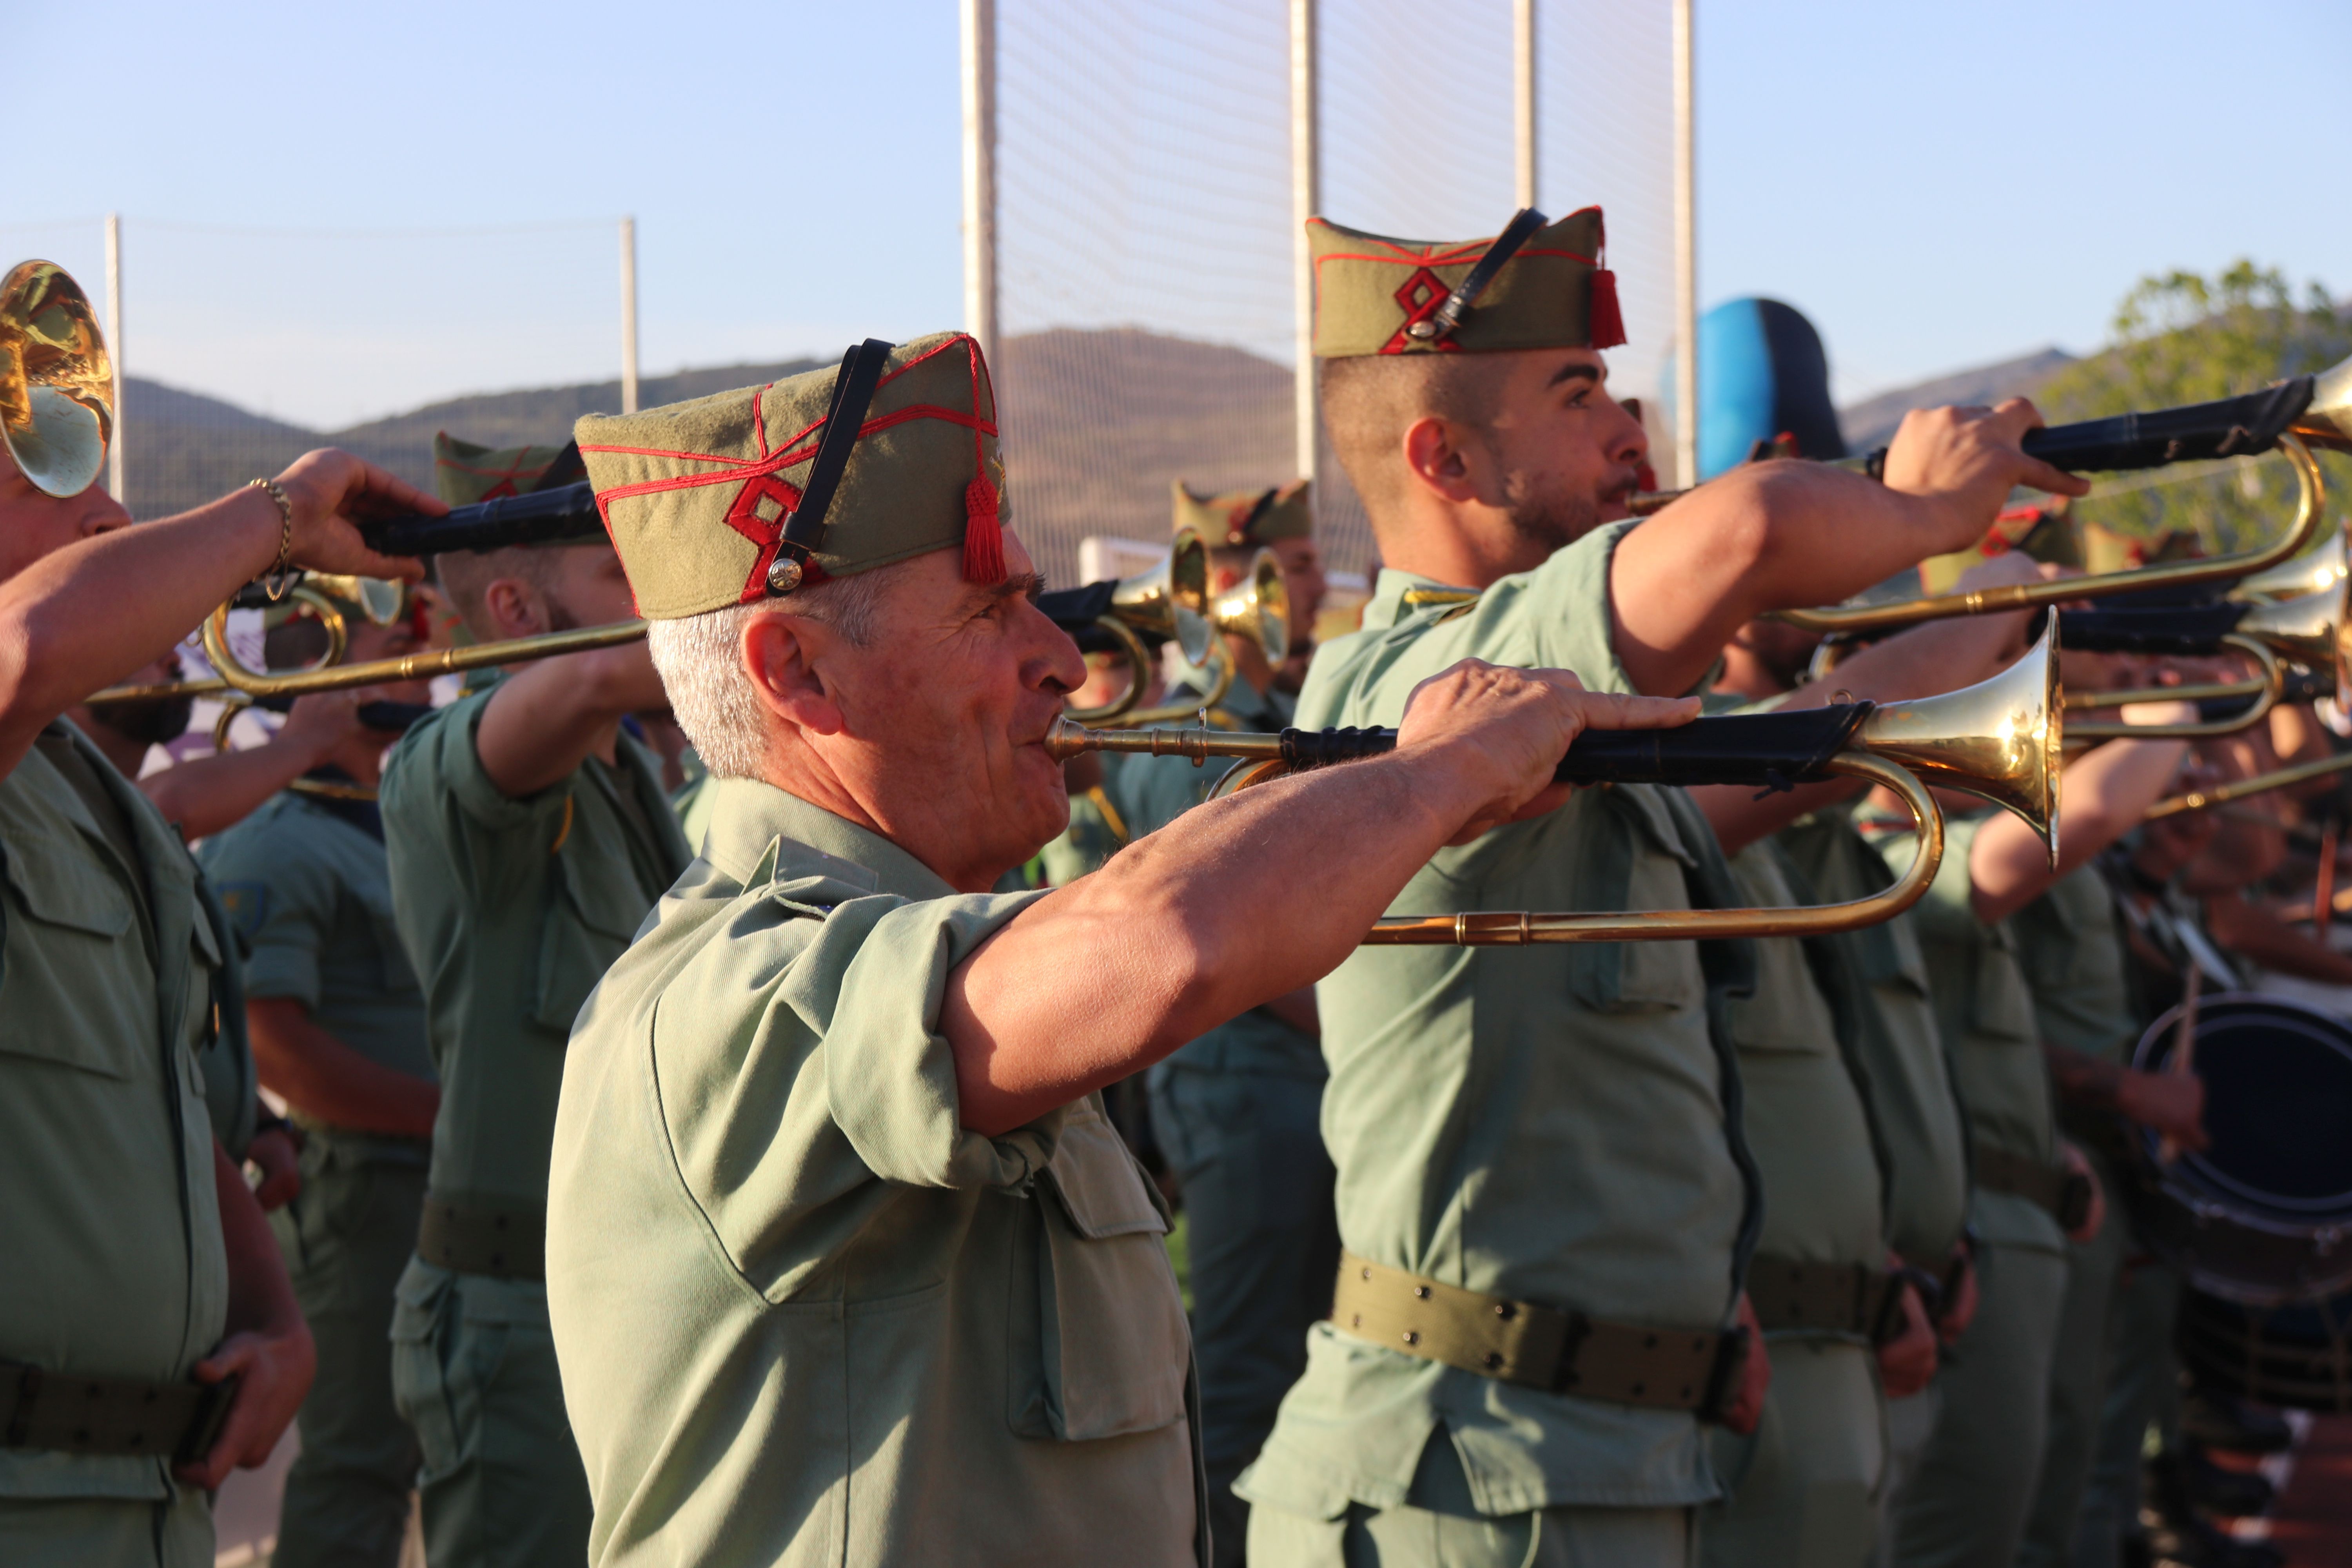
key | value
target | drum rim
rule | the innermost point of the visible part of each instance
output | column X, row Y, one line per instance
column 2212, row 1188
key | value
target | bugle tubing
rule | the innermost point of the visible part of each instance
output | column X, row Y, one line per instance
column 2259, row 783
column 2310, row 510
column 422, row 665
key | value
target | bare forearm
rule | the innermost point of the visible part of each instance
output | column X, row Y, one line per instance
column 2107, row 794
column 2258, row 934
column 2084, row 1080
column 207, row 794
column 260, row 1297
column 323, row 1077
column 544, row 719
column 1774, row 536
column 1234, row 903
column 91, row 614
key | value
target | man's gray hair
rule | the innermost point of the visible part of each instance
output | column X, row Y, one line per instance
column 700, row 658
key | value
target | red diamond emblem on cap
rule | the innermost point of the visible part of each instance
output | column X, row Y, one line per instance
column 1419, row 296
column 757, row 514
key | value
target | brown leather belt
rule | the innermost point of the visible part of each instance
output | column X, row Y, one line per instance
column 1825, row 1297
column 75, row 1414
column 1541, row 1347
column 503, row 1241
column 2066, row 1193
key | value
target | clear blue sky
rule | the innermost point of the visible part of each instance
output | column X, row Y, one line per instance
column 1936, row 186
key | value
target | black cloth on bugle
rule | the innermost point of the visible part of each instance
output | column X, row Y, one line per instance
column 391, row 717
column 2300, row 686
column 2232, row 428
column 564, row 515
column 1771, row 751
column 1079, row 611
column 2169, row 628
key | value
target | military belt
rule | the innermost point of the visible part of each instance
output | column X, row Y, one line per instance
column 75, row 1414
column 1826, row 1298
column 1541, row 1347
column 2064, row 1192
column 505, row 1241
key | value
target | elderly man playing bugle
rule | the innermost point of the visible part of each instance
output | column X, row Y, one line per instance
column 845, row 1264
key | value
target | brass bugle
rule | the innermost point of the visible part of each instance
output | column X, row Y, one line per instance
column 1257, row 609
column 1168, row 602
column 1998, row 740
column 2221, row 794
column 56, row 381
column 2311, row 630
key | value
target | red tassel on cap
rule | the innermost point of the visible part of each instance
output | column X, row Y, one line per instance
column 1605, row 322
column 983, row 540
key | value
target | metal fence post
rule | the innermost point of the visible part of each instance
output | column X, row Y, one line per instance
column 628, row 315
column 979, row 19
column 1306, row 199
column 1523, row 97
column 1685, row 254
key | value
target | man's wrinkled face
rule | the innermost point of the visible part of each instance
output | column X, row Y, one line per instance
column 1568, row 453
column 947, row 706
column 34, row 523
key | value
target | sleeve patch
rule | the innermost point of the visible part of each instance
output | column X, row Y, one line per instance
column 247, row 904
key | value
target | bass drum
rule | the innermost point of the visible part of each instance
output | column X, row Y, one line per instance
column 2299, row 1355
column 2263, row 1217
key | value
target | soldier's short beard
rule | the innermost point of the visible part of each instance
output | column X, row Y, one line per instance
column 150, row 720
column 1553, row 521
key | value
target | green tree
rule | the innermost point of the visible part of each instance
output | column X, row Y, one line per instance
column 2179, row 337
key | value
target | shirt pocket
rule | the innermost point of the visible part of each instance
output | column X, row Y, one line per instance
column 63, row 975
column 1099, row 1346
column 2000, row 1009
column 591, row 917
column 1786, row 1014
column 1631, row 856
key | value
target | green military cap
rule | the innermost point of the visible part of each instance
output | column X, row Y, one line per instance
column 465, row 473
column 1237, row 517
column 1374, row 295
column 696, row 495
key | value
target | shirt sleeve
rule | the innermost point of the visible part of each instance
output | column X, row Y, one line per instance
column 281, row 905
column 800, row 1067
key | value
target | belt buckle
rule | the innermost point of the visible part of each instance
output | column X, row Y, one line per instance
column 1729, row 1369
column 1564, row 1377
column 212, row 1416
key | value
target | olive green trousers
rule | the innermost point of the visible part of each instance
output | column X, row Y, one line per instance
column 1802, row 1489
column 1438, row 1527
column 2079, row 1379
column 347, row 1237
column 107, row 1532
column 1965, row 1506
column 1909, row 1424
column 473, row 1371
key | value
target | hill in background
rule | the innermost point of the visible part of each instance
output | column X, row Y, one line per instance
column 1099, row 424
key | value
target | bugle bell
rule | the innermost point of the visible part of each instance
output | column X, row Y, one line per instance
column 1132, row 616
column 1998, row 740
column 57, row 383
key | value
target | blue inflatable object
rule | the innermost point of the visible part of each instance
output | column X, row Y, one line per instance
column 1762, row 374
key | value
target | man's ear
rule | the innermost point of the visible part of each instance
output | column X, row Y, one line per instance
column 515, row 607
column 1434, row 456
column 783, row 656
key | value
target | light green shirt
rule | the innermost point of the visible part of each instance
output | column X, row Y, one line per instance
column 804, row 1315
column 1554, row 1123
column 2072, row 955
column 1922, row 1134
column 1803, row 1110
column 311, row 892
column 110, row 1233
column 1985, row 1014
column 1154, row 792
column 512, row 911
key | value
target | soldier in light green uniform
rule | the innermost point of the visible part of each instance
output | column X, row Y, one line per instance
column 1969, row 1502
column 1526, row 1134
column 1235, row 1111
column 2072, row 950
column 141, row 1272
column 845, row 1264
column 527, row 835
column 339, row 1023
